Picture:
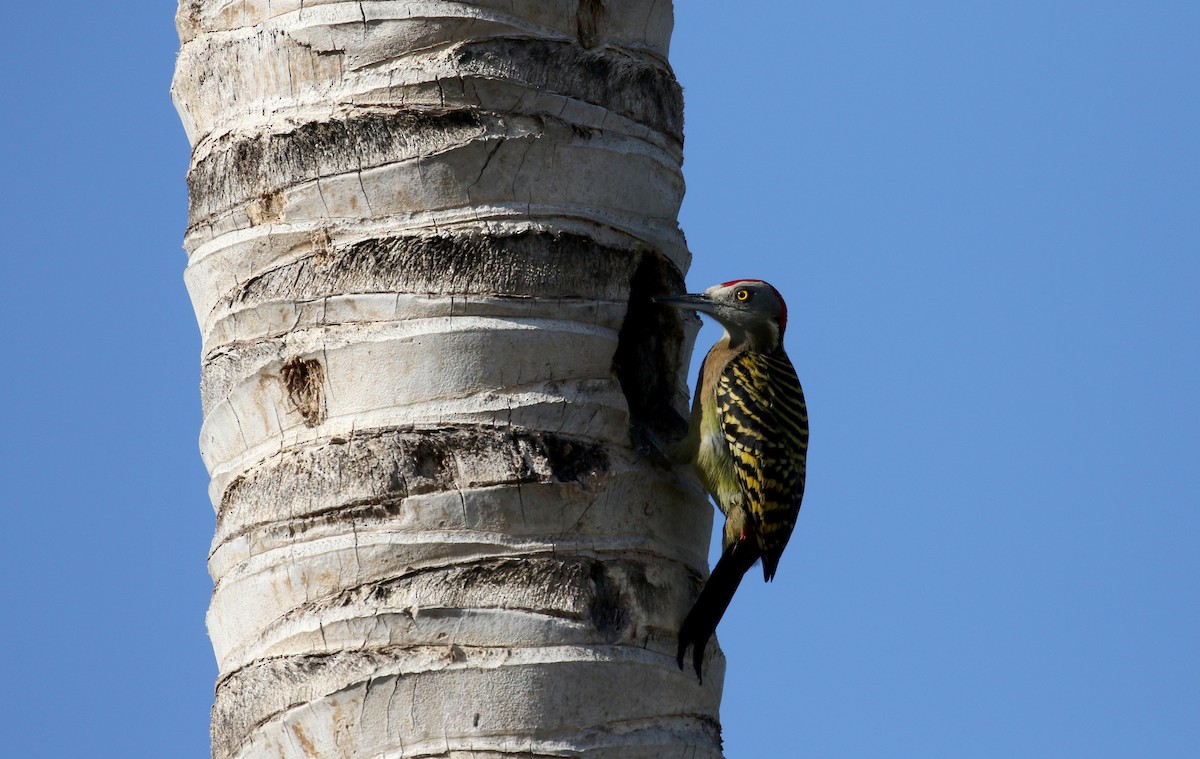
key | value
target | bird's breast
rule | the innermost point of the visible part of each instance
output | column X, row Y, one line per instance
column 714, row 465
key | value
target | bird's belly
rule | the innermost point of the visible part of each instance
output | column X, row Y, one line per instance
column 714, row 465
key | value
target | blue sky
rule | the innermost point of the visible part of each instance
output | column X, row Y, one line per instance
column 986, row 220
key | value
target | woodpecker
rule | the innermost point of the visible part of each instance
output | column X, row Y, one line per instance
column 747, row 440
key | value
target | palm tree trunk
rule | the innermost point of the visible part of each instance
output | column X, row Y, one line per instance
column 422, row 241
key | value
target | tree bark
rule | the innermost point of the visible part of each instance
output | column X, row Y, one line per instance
column 423, row 238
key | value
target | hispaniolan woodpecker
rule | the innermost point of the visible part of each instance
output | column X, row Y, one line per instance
column 747, row 439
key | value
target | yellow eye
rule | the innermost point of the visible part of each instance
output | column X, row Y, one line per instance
column 742, row 295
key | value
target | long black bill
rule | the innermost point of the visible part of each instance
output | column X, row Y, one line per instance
column 696, row 301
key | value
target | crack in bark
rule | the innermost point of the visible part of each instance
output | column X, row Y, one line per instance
column 486, row 162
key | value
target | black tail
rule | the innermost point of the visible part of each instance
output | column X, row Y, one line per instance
column 706, row 613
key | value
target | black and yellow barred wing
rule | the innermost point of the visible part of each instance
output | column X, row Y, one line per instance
column 765, row 423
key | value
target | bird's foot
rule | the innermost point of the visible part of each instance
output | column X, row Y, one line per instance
column 698, row 641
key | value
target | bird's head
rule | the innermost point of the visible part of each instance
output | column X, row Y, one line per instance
column 748, row 309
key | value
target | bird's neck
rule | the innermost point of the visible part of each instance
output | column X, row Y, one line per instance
column 764, row 340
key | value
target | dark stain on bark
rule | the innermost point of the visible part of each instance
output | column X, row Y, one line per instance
column 533, row 264
column 574, row 460
column 268, row 208
column 383, row 467
column 187, row 20
column 609, row 610
column 232, row 492
column 303, row 380
column 430, row 461
column 601, row 591
column 588, row 18
column 238, row 169
column 641, row 89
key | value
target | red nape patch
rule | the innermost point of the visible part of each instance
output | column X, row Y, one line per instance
column 782, row 302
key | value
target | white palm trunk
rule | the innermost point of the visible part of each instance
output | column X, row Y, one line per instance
column 422, row 239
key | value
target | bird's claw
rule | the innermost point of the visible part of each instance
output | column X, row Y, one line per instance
column 686, row 639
